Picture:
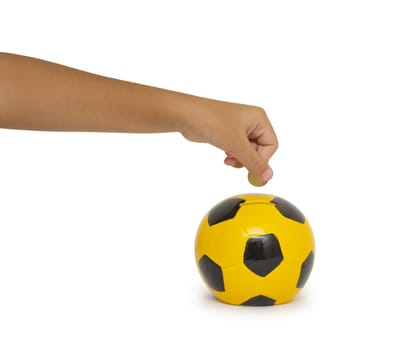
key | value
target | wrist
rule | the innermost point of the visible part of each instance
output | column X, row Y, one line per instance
column 185, row 111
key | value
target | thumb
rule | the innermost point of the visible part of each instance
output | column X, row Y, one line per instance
column 253, row 158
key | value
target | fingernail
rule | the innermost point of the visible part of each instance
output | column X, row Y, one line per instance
column 267, row 174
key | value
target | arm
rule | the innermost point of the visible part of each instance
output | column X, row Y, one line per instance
column 40, row 95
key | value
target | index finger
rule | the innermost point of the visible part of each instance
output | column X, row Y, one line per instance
column 265, row 138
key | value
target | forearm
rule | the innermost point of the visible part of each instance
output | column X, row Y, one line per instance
column 39, row 95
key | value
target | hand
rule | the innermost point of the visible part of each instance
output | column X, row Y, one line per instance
column 243, row 132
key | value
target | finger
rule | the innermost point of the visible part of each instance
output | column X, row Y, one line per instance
column 252, row 159
column 267, row 141
column 252, row 143
column 266, row 138
column 266, row 152
column 231, row 161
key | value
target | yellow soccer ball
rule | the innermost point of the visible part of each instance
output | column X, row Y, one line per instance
column 254, row 249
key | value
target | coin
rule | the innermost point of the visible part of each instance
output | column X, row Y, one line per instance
column 255, row 182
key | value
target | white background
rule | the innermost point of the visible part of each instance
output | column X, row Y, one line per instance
column 97, row 230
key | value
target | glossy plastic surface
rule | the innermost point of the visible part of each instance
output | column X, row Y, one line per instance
column 255, row 249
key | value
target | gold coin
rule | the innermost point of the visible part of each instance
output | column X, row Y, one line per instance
column 255, row 182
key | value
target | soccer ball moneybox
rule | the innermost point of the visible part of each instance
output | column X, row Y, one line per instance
column 254, row 249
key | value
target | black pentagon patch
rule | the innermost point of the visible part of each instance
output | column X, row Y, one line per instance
column 288, row 210
column 259, row 300
column 225, row 210
column 305, row 270
column 262, row 254
column 212, row 273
